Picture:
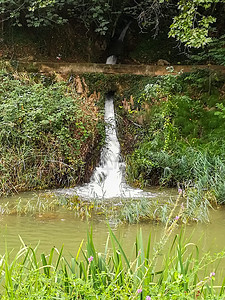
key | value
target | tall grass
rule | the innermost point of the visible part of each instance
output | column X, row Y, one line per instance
column 182, row 273
column 117, row 211
column 179, row 137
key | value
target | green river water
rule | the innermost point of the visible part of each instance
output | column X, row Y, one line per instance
column 62, row 227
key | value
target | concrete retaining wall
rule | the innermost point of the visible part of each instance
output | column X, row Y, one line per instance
column 78, row 68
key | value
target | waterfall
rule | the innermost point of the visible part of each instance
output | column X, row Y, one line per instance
column 108, row 179
column 124, row 31
column 118, row 47
column 111, row 60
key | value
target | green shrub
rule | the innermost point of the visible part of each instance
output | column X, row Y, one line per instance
column 213, row 53
column 180, row 139
column 46, row 134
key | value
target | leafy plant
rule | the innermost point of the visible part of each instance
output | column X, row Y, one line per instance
column 214, row 52
column 191, row 25
column 180, row 136
column 183, row 273
column 46, row 133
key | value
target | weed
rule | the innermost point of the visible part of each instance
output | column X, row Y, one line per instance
column 182, row 274
column 47, row 131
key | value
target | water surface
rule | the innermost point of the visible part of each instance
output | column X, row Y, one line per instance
column 62, row 227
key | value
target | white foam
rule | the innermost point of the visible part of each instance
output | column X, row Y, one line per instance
column 108, row 179
column 111, row 60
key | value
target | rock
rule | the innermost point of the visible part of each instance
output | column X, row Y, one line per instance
column 79, row 86
column 162, row 62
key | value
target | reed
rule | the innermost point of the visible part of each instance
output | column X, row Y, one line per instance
column 183, row 273
column 130, row 211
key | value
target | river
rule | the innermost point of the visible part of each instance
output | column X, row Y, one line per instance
column 57, row 227
column 62, row 226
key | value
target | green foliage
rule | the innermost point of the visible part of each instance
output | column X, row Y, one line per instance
column 221, row 112
column 55, row 12
column 118, row 211
column 183, row 273
column 46, row 133
column 213, row 53
column 191, row 26
column 181, row 140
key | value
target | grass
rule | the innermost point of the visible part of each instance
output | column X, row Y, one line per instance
column 116, row 211
column 182, row 273
column 35, row 204
column 176, row 123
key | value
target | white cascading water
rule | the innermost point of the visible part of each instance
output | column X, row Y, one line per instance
column 108, row 180
column 111, row 60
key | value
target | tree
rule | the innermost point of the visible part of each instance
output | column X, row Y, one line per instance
column 191, row 20
column 193, row 23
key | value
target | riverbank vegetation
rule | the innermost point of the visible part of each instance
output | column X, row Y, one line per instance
column 49, row 134
column 76, row 31
column 170, row 129
column 181, row 272
column 160, row 208
column 175, row 128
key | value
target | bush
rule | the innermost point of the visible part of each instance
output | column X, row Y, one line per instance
column 180, row 135
column 47, row 133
